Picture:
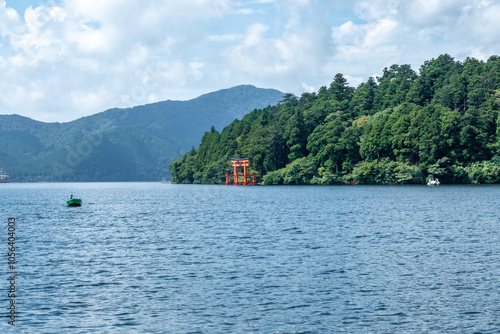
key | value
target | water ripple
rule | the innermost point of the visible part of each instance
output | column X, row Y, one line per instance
column 152, row 258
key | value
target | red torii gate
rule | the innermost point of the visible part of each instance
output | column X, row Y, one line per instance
column 240, row 163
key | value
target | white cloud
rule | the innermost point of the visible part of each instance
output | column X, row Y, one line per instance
column 461, row 22
column 195, row 68
column 399, row 31
column 9, row 20
column 479, row 25
column 88, row 49
column 224, row 38
column 307, row 88
column 84, row 56
column 280, row 52
column 429, row 13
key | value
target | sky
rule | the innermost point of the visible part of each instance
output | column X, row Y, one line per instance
column 64, row 59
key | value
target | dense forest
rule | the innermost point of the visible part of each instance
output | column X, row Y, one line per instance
column 403, row 127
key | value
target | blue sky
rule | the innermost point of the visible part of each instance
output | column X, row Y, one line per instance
column 64, row 59
column 21, row 5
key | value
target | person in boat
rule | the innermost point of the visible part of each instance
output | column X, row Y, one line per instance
column 71, row 197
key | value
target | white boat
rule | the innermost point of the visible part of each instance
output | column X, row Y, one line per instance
column 434, row 182
column 4, row 178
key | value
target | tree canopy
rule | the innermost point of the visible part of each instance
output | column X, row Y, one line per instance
column 402, row 127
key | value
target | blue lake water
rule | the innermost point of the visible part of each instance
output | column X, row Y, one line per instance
column 162, row 258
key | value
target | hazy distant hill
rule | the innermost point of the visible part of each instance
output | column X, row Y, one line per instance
column 134, row 144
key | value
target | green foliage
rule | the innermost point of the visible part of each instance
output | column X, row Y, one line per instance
column 300, row 171
column 386, row 171
column 400, row 128
column 483, row 172
column 363, row 99
column 273, row 178
column 394, row 86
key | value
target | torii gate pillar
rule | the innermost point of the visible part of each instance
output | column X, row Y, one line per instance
column 240, row 163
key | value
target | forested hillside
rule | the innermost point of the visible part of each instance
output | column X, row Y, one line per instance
column 402, row 127
column 133, row 144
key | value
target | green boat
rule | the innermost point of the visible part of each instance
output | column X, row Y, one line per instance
column 74, row 202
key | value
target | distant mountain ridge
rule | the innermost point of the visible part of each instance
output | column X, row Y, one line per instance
column 133, row 144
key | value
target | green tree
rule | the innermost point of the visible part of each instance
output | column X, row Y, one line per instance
column 394, row 85
column 296, row 136
column 362, row 102
column 322, row 142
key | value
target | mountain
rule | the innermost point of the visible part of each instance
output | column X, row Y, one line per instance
column 133, row 144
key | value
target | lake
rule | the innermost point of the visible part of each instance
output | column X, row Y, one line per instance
column 164, row 258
